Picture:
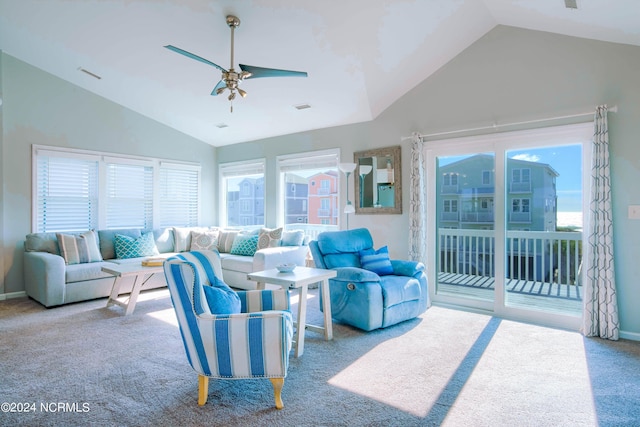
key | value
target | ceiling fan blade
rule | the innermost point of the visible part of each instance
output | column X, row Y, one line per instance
column 221, row 84
column 257, row 72
column 196, row 57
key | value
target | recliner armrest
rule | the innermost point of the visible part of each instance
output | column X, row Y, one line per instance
column 355, row 274
column 406, row 268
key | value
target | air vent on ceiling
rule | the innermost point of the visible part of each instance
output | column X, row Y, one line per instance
column 571, row 4
column 94, row 75
column 222, row 125
column 302, row 106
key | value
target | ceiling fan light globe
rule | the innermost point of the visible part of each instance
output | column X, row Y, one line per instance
column 220, row 90
column 242, row 93
column 232, row 96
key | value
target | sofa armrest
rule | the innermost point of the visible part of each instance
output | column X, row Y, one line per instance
column 355, row 274
column 267, row 258
column 406, row 268
column 44, row 277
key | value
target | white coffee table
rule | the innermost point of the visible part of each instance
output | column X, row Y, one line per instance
column 300, row 278
column 141, row 275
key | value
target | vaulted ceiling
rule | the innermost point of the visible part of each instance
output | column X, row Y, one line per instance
column 360, row 55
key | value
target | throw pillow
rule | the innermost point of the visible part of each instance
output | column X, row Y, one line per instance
column 79, row 249
column 128, row 247
column 204, row 240
column 269, row 238
column 221, row 299
column 245, row 244
column 292, row 238
column 376, row 261
column 182, row 237
column 225, row 240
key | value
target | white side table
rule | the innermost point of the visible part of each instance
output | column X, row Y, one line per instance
column 300, row 278
column 141, row 275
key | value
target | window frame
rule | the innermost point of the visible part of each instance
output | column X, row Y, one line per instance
column 245, row 168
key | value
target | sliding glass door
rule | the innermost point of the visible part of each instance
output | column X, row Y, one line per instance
column 506, row 213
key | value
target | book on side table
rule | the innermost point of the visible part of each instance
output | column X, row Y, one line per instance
column 153, row 261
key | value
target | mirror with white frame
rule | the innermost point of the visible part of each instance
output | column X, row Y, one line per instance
column 378, row 187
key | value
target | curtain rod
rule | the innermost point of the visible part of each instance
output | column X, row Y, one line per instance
column 613, row 109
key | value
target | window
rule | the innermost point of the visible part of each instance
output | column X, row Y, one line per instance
column 450, row 205
column 315, row 199
column 179, row 194
column 66, row 192
column 129, row 196
column 242, row 193
column 76, row 190
column 520, row 205
column 486, row 177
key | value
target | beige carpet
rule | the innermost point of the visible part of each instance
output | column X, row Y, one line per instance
column 84, row 364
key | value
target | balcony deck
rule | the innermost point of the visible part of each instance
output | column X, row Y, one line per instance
column 521, row 293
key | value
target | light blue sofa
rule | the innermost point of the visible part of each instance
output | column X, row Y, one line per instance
column 51, row 282
column 363, row 298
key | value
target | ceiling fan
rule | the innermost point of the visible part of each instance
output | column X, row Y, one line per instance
column 232, row 78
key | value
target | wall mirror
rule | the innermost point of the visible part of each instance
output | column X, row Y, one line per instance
column 378, row 186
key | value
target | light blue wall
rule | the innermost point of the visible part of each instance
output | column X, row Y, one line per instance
column 39, row 108
column 510, row 75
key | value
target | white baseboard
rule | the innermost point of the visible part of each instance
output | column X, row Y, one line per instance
column 11, row 295
column 633, row 336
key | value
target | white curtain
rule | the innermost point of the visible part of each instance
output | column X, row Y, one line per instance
column 600, row 304
column 417, row 203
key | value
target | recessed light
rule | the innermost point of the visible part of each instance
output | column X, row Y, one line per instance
column 302, row 106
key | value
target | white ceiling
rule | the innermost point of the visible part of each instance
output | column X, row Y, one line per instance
column 361, row 55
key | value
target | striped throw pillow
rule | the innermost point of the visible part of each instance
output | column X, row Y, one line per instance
column 79, row 249
column 376, row 261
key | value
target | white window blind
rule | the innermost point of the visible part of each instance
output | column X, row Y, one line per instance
column 78, row 190
column 179, row 193
column 308, row 161
column 66, row 193
column 129, row 198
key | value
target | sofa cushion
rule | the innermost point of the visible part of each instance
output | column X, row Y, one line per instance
column 42, row 242
column 269, row 238
column 165, row 241
column 107, row 240
column 240, row 263
column 79, row 249
column 204, row 240
column 225, row 240
column 292, row 238
column 82, row 272
column 128, row 247
column 182, row 236
column 376, row 261
column 245, row 244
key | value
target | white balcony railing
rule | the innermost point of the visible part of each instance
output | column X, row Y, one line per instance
column 547, row 257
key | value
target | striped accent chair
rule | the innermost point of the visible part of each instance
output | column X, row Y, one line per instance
column 252, row 344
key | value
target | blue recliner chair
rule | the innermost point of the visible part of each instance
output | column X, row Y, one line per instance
column 370, row 291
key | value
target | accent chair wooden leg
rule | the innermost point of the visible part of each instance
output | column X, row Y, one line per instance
column 277, row 391
column 203, row 389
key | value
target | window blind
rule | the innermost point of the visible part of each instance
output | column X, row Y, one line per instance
column 179, row 192
column 66, row 193
column 129, row 196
